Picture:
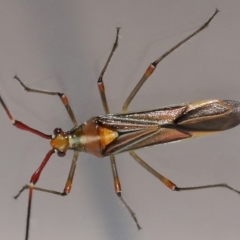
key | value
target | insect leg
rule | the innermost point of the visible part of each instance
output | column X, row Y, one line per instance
column 118, row 190
column 100, row 82
column 33, row 181
column 164, row 180
column 21, row 125
column 35, row 178
column 62, row 96
column 101, row 88
column 223, row 185
column 173, row 186
column 37, row 173
column 154, row 64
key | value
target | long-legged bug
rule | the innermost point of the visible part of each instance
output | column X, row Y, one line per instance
column 110, row 134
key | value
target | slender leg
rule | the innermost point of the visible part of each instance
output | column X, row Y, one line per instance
column 35, row 178
column 36, row 175
column 33, row 181
column 62, row 96
column 118, row 190
column 164, row 180
column 21, row 125
column 173, row 186
column 154, row 64
column 101, row 88
column 100, row 82
column 29, row 211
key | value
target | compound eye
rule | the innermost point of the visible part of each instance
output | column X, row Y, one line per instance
column 57, row 131
column 61, row 154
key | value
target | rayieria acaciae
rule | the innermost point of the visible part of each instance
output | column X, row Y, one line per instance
column 111, row 134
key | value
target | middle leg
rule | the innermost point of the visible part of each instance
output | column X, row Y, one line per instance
column 101, row 88
column 154, row 64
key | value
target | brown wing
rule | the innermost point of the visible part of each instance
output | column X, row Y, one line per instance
column 167, row 124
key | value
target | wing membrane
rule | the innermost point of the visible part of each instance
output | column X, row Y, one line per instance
column 168, row 124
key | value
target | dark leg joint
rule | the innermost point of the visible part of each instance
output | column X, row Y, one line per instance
column 177, row 189
column 154, row 64
column 60, row 94
column 23, row 85
column 119, row 194
column 100, row 80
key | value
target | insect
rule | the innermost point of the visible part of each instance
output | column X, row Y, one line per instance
column 111, row 134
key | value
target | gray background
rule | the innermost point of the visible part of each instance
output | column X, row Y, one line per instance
column 63, row 45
